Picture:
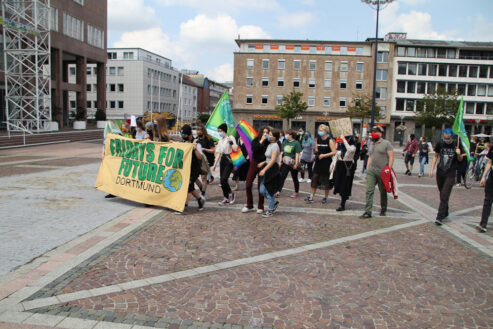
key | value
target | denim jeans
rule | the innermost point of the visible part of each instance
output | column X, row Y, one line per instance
column 270, row 198
column 422, row 161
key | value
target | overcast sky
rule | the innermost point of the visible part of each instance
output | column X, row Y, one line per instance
column 200, row 34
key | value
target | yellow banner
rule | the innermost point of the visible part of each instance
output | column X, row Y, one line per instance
column 146, row 172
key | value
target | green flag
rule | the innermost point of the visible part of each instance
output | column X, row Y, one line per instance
column 460, row 129
column 222, row 114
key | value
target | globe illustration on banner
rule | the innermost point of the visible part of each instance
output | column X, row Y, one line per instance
column 172, row 180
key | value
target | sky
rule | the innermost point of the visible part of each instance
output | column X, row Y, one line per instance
column 200, row 34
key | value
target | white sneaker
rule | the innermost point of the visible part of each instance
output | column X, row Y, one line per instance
column 308, row 180
column 245, row 209
column 301, row 180
column 231, row 198
column 260, row 211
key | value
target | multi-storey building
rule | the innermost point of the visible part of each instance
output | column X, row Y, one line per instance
column 209, row 93
column 139, row 81
column 457, row 66
column 78, row 37
column 331, row 75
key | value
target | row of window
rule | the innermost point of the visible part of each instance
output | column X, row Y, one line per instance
column 155, row 74
column 312, row 65
column 161, row 106
column 309, row 49
column 95, row 36
column 423, row 87
column 443, row 70
column 414, row 105
column 94, row 104
column 431, row 52
column 126, row 55
column 311, row 100
column 162, row 91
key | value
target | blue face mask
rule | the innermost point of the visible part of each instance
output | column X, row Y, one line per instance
column 221, row 134
column 271, row 138
column 321, row 133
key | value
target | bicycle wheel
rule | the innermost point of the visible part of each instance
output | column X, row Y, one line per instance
column 470, row 178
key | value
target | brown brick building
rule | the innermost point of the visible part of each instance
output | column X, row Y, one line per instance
column 330, row 74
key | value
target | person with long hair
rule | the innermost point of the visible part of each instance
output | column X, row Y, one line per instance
column 161, row 130
column 140, row 132
column 269, row 173
column 208, row 148
column 344, row 169
column 325, row 148
column 308, row 146
column 290, row 157
column 259, row 146
column 224, row 147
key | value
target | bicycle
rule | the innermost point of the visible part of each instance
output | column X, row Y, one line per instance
column 474, row 174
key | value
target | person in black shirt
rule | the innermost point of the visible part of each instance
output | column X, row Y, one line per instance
column 487, row 182
column 449, row 154
column 259, row 145
column 208, row 148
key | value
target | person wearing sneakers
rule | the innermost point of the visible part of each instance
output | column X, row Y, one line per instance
column 448, row 154
column 308, row 146
column 269, row 173
column 224, row 147
column 259, row 146
column 325, row 148
column 381, row 154
column 409, row 154
column 487, row 182
column 344, row 169
column 290, row 157
column 424, row 150
column 187, row 135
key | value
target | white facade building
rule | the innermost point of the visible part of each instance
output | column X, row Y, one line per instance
column 138, row 81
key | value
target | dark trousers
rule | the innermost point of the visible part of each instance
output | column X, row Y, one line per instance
column 253, row 171
column 226, row 169
column 461, row 170
column 488, row 199
column 445, row 185
column 309, row 168
column 285, row 169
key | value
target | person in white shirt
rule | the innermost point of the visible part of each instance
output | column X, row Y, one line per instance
column 224, row 147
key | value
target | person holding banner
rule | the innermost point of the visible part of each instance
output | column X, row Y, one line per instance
column 269, row 173
column 448, row 154
column 161, row 130
column 487, row 182
column 187, row 135
column 224, row 147
column 325, row 148
column 344, row 169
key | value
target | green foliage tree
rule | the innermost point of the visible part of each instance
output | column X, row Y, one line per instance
column 361, row 109
column 100, row 115
column 203, row 118
column 435, row 110
column 292, row 106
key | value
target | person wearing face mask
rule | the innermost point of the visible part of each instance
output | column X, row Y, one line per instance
column 149, row 130
column 365, row 146
column 409, row 153
column 224, row 147
column 448, row 154
column 290, row 157
column 301, row 134
column 308, row 146
column 186, row 134
column 269, row 175
column 208, row 147
column 344, row 169
column 424, row 149
column 325, row 148
column 259, row 146
column 381, row 154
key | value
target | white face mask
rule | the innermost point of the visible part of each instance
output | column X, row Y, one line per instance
column 221, row 134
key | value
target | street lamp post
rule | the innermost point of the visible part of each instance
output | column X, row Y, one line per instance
column 376, row 4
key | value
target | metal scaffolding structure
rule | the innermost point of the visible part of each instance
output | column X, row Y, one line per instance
column 26, row 43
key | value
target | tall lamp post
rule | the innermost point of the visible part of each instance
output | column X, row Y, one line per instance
column 375, row 4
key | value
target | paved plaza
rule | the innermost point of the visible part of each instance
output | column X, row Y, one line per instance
column 72, row 259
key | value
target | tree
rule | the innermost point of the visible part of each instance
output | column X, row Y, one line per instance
column 437, row 109
column 361, row 109
column 292, row 106
column 203, row 118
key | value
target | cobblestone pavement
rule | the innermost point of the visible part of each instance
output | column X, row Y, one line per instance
column 307, row 267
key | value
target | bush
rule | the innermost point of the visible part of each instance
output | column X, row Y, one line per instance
column 81, row 114
column 100, row 115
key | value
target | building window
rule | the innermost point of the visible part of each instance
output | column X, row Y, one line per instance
column 249, row 99
column 359, row 67
column 401, row 86
column 120, row 87
column 112, row 104
column 95, row 104
column 94, row 87
column 401, row 68
column 382, row 75
column 462, row 71
column 344, row 66
column 411, row 87
column 249, row 81
column 265, row 82
column 327, row 83
column 88, row 104
column 328, row 66
column 251, row 48
column 422, row 69
column 410, row 105
column 483, row 71
column 120, row 104
column 490, row 90
column 470, row 108
column 72, row 71
column 421, row 87
column 326, row 101
column 312, row 65
column 481, row 90
column 359, row 85
column 128, row 55
column 296, row 82
column 431, row 53
column 383, row 57
column 53, row 19
column 250, row 64
column 73, row 27
column 452, row 70
column 279, row 99
column 88, row 87
column 421, row 52
column 461, row 89
column 112, row 87
column 281, row 64
column 441, row 52
column 480, row 108
column 112, row 70
column 311, row 83
column 411, row 52
column 411, row 69
column 80, row 2
column 473, row 71
column 442, row 70
column 401, row 51
column 343, row 84
column 111, row 55
column 296, row 64
column 381, row 93
column 280, row 82
column 95, row 36
column 120, row 70
column 265, row 99
column 72, row 104
column 342, row 102
column 265, row 64
column 471, row 90
column 432, row 70
column 451, row 53
column 311, row 100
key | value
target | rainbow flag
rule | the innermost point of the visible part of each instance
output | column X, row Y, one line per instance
column 238, row 158
column 247, row 134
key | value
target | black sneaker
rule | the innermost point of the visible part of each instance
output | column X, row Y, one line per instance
column 276, row 205
column 341, row 208
column 407, row 172
column 268, row 213
column 439, row 221
column 383, row 213
column 109, row 196
column 365, row 215
column 201, row 202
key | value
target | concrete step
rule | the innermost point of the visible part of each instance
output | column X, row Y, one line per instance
column 52, row 137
